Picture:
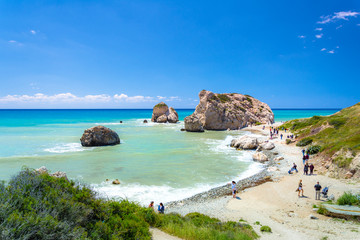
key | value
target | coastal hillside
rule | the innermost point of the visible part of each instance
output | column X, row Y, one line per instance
column 38, row 205
column 227, row 111
column 335, row 139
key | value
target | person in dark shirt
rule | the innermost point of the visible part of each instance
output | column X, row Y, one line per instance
column 306, row 169
column 317, row 191
column 311, row 169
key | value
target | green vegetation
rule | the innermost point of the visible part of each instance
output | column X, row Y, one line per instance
column 258, row 123
column 257, row 223
column 248, row 98
column 304, row 142
column 342, row 161
column 325, row 238
column 160, row 105
column 322, row 210
column 314, row 149
column 339, row 132
column 199, row 226
column 288, row 141
column 265, row 229
column 223, row 98
column 349, row 199
column 314, row 206
column 39, row 206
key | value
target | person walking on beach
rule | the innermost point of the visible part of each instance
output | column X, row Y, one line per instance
column 161, row 208
column 300, row 189
column 281, row 135
column 317, row 191
column 311, row 169
column 303, row 152
column 151, row 205
column 304, row 159
column 233, row 188
column 294, row 167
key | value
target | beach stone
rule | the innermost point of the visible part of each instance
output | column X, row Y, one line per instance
column 279, row 158
column 116, row 182
column 233, row 111
column 349, row 174
column 120, row 121
column 312, row 217
column 245, row 142
column 260, row 157
column 59, row 174
column 145, row 121
column 182, row 129
column 99, row 136
column 193, row 124
column 267, row 146
column 162, row 114
column 41, row 170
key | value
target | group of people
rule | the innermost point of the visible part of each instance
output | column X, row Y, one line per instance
column 317, row 187
column 161, row 208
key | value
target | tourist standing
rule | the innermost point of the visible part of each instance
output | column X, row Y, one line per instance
column 281, row 135
column 294, row 167
column 233, row 188
column 317, row 191
column 303, row 152
column 151, row 205
column 311, row 169
column 306, row 169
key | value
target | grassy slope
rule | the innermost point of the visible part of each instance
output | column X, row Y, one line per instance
column 34, row 206
column 340, row 131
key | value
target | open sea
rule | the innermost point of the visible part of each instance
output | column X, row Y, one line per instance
column 153, row 162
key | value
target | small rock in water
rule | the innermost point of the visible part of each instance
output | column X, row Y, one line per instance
column 107, row 180
column 145, row 121
column 228, row 129
column 279, row 158
column 312, row 217
column 116, row 182
column 120, row 121
column 183, row 129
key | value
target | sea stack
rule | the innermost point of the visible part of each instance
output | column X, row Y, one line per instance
column 227, row 111
column 99, row 136
column 162, row 114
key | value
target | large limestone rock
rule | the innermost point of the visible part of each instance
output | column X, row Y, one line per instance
column 245, row 142
column 193, row 124
column 99, row 136
column 267, row 146
column 162, row 114
column 260, row 157
column 229, row 111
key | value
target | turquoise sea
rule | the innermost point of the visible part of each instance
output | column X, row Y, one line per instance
column 153, row 162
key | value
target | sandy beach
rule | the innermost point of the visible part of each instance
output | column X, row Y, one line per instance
column 277, row 205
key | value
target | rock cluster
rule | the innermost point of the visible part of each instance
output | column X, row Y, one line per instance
column 58, row 174
column 227, row 111
column 162, row 114
column 245, row 142
column 99, row 136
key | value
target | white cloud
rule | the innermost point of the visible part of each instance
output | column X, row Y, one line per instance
column 160, row 97
column 323, row 49
column 331, row 51
column 340, row 26
column 319, row 35
column 337, row 47
column 318, row 29
column 12, row 41
column 33, row 32
column 301, row 36
column 133, row 99
column 56, row 98
column 337, row 16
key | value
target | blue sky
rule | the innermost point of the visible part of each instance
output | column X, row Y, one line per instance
column 133, row 54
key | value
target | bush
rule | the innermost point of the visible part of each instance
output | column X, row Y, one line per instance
column 314, row 149
column 342, row 161
column 337, row 122
column 37, row 206
column 349, row 199
column 223, row 98
column 265, row 229
column 288, row 141
column 304, row 142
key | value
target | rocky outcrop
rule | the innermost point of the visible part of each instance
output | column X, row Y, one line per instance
column 229, row 110
column 267, row 146
column 260, row 157
column 162, row 114
column 99, row 136
column 58, row 174
column 245, row 142
column 116, row 182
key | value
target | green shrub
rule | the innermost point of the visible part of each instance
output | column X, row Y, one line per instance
column 160, row 105
column 342, row 161
column 322, row 210
column 257, row 223
column 314, row 149
column 265, row 229
column 258, row 123
column 304, row 142
column 223, row 98
column 288, row 141
column 337, row 122
column 349, row 199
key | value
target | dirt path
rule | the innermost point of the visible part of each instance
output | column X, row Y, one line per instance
column 160, row 235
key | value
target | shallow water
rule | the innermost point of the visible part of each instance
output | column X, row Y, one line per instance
column 153, row 161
